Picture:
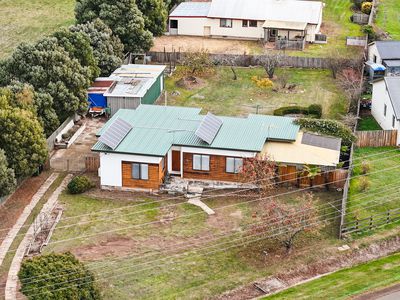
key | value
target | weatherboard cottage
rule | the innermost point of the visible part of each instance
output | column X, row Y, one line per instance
column 139, row 148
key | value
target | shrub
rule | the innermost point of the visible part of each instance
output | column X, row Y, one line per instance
column 73, row 280
column 328, row 127
column 365, row 167
column 79, row 185
column 314, row 110
column 262, row 82
column 369, row 30
column 363, row 184
column 366, row 7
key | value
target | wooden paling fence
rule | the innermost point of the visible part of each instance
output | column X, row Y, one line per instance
column 371, row 222
column 247, row 60
column 92, row 163
column 376, row 138
column 291, row 176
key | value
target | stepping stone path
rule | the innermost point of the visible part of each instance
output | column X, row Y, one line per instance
column 194, row 196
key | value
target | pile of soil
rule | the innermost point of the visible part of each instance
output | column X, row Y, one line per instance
column 190, row 82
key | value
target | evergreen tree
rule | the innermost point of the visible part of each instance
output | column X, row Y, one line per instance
column 107, row 48
column 7, row 176
column 50, row 69
column 122, row 16
column 155, row 15
column 22, row 140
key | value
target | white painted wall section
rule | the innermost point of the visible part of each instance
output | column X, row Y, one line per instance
column 380, row 98
column 110, row 171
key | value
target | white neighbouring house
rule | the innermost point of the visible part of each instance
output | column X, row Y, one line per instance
column 267, row 20
column 386, row 103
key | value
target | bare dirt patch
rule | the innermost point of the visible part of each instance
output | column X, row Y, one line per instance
column 186, row 43
column 113, row 246
column 13, row 207
column 190, row 82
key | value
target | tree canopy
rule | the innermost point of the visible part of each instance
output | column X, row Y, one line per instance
column 7, row 176
column 78, row 46
column 73, row 280
column 22, row 140
column 122, row 16
column 107, row 48
column 155, row 15
column 23, row 96
column 50, row 69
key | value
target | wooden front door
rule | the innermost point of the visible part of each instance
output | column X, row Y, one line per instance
column 176, row 161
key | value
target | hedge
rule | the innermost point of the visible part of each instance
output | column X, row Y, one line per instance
column 328, row 127
column 314, row 110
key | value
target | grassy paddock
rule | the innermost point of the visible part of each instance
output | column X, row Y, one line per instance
column 26, row 21
column 220, row 94
column 359, row 203
column 348, row 282
column 126, row 260
column 388, row 17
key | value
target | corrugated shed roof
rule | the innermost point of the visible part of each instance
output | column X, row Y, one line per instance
column 191, row 9
column 326, row 142
column 272, row 10
column 157, row 128
column 388, row 49
column 393, row 63
column 393, row 88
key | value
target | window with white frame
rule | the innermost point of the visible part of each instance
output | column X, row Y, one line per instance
column 227, row 23
column 234, row 165
column 140, row 171
column 201, row 162
column 245, row 23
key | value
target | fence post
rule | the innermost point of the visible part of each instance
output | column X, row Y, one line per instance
column 371, row 220
column 388, row 217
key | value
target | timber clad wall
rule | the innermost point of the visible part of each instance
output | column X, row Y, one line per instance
column 156, row 177
column 217, row 169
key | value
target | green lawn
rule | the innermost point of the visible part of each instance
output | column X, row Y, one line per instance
column 359, row 203
column 388, row 18
column 348, row 282
column 368, row 123
column 27, row 20
column 123, row 259
column 221, row 94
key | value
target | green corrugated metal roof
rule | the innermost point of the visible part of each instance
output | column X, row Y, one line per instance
column 157, row 128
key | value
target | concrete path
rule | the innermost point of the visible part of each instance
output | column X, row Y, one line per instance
column 9, row 239
column 196, row 201
column 388, row 293
column 12, row 278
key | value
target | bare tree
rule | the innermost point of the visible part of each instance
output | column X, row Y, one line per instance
column 351, row 81
column 197, row 62
column 261, row 171
column 270, row 61
column 232, row 61
column 286, row 222
column 335, row 62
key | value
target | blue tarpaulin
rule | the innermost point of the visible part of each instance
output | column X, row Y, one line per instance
column 97, row 100
column 375, row 66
